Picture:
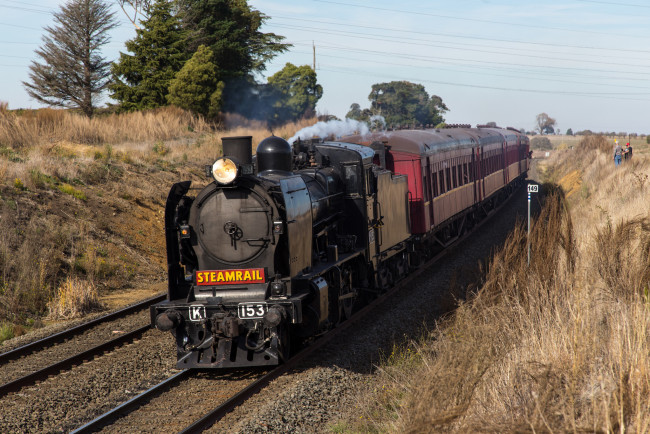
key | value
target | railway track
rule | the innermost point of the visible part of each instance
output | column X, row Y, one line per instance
column 36, row 361
column 229, row 397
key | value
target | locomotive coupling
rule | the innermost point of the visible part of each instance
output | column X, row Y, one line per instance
column 168, row 320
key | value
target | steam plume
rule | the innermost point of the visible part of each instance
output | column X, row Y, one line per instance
column 337, row 128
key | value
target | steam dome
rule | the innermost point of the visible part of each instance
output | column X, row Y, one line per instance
column 274, row 154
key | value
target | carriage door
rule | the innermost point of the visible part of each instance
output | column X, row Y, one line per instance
column 479, row 186
column 428, row 192
column 505, row 162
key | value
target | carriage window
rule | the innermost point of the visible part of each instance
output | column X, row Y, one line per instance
column 370, row 181
column 454, row 177
column 441, row 178
column 448, row 179
column 435, row 184
column 426, row 187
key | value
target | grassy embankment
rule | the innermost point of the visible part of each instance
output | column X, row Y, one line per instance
column 563, row 345
column 81, row 204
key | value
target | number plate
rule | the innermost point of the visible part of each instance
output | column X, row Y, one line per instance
column 252, row 310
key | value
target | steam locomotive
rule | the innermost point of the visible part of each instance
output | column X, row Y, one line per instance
column 284, row 245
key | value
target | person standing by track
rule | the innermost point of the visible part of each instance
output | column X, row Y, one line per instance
column 618, row 153
column 627, row 152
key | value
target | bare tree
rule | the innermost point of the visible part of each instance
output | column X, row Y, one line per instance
column 73, row 73
column 132, row 8
column 545, row 123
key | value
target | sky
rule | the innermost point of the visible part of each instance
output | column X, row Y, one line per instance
column 586, row 63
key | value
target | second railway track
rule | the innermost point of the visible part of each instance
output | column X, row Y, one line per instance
column 37, row 360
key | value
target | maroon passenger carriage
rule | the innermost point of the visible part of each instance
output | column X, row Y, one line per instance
column 456, row 175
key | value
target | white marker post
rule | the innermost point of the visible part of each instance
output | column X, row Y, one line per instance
column 532, row 188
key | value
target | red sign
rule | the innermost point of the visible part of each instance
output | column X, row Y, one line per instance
column 230, row 277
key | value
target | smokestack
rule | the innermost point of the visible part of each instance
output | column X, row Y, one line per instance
column 240, row 148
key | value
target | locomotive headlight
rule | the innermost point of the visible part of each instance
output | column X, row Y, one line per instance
column 224, row 170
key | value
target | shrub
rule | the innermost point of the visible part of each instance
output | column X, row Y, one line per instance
column 6, row 332
column 160, row 149
column 68, row 189
column 596, row 142
column 542, row 143
column 74, row 298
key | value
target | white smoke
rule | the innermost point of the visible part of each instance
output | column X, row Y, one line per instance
column 377, row 122
column 338, row 128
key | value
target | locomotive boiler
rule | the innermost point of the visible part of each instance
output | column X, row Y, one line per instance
column 278, row 248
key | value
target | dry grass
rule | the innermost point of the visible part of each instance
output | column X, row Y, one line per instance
column 74, row 298
column 560, row 346
column 44, row 126
column 71, row 189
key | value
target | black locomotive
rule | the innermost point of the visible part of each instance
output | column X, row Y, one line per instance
column 283, row 246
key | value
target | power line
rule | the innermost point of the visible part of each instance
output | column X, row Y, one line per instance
column 375, row 37
column 438, row 58
column 451, row 17
column 541, row 78
column 44, row 12
column 614, row 4
column 26, row 3
column 39, row 11
column 446, row 83
column 15, row 57
column 20, row 27
column 456, row 35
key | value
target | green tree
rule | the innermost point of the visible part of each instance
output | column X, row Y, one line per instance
column 196, row 87
column 569, row 132
column 358, row 114
column 402, row 102
column 141, row 80
column 73, row 73
column 231, row 28
column 296, row 91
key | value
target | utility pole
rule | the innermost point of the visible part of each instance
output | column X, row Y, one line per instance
column 314, row 47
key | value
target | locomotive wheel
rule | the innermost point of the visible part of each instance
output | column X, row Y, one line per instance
column 346, row 297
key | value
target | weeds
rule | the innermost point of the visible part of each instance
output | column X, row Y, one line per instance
column 74, row 298
column 6, row 331
column 76, row 193
column 622, row 257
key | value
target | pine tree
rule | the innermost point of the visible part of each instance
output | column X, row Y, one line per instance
column 196, row 87
column 73, row 73
column 231, row 29
column 141, row 80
